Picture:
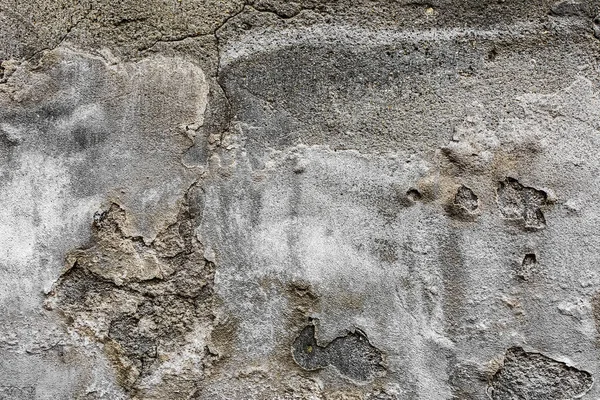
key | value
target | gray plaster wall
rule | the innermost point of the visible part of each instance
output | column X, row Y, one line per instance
column 315, row 199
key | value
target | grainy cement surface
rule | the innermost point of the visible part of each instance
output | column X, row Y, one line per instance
column 315, row 199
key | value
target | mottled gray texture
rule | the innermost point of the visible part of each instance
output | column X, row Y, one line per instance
column 194, row 191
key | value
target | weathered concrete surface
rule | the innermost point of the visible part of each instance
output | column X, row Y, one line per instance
column 299, row 200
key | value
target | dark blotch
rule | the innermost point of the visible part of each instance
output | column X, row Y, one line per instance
column 352, row 355
column 87, row 137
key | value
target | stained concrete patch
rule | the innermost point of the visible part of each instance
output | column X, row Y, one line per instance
column 352, row 355
column 534, row 376
column 102, row 117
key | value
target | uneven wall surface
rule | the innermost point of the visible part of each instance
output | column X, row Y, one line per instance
column 318, row 199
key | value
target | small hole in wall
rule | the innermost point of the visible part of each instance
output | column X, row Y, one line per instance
column 529, row 259
column 528, row 268
column 414, row 195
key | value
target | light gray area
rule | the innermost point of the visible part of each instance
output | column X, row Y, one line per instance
column 299, row 200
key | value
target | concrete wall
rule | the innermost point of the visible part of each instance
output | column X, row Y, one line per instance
column 316, row 199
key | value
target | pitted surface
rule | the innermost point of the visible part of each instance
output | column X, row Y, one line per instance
column 534, row 376
column 311, row 199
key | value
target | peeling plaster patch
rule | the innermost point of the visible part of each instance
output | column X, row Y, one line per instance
column 533, row 376
column 518, row 202
column 352, row 36
column 352, row 355
column 466, row 199
column 151, row 306
column 463, row 204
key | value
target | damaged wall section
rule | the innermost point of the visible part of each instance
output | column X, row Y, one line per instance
column 146, row 304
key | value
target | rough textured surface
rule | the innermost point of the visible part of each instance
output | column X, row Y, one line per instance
column 194, row 193
column 466, row 199
column 146, row 303
column 534, row 376
column 352, row 355
column 522, row 203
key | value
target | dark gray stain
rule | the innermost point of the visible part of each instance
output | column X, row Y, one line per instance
column 522, row 203
column 87, row 137
column 466, row 199
column 533, row 376
column 352, row 355
column 455, row 278
column 386, row 250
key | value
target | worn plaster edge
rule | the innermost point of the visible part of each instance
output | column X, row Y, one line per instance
column 269, row 39
column 567, row 362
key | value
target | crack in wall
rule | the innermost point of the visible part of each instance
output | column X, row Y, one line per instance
column 62, row 39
